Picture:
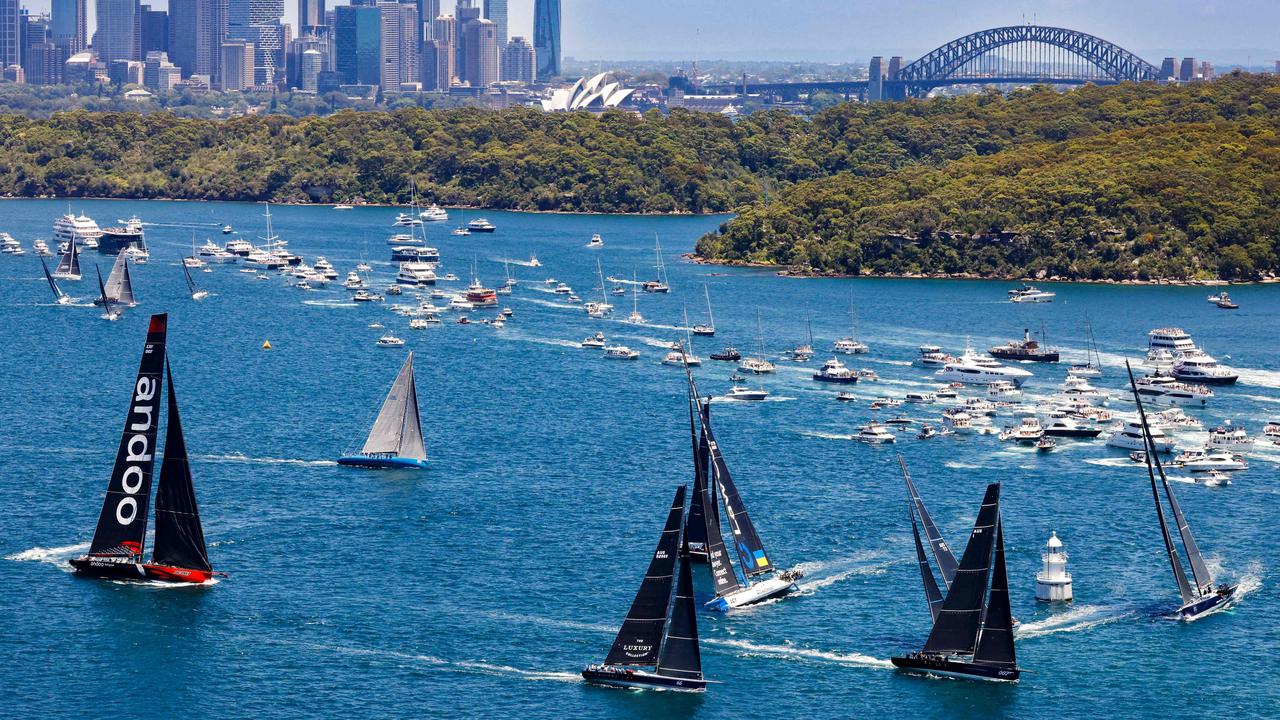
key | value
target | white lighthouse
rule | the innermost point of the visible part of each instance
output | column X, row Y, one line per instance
column 1053, row 582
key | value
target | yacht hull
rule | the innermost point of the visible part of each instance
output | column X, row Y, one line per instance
column 640, row 680
column 1220, row 600
column 935, row 665
column 1079, row 433
column 759, row 592
column 382, row 462
column 104, row 569
column 1206, row 379
column 838, row 380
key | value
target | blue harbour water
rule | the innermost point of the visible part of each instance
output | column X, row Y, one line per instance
column 482, row 585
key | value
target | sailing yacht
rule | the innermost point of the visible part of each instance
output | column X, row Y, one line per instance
column 1092, row 366
column 968, row 641
column 657, row 645
column 1204, row 597
column 851, row 345
column 603, row 308
column 709, row 329
column 69, row 264
column 635, row 318
column 196, row 292
column 753, row 578
column 804, row 351
column 659, row 285
column 58, row 296
column 109, row 313
column 119, row 287
column 179, row 554
column 757, row 365
column 396, row 438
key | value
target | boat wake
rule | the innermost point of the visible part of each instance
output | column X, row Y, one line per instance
column 735, row 401
column 1083, row 617
column 793, row 652
column 239, row 458
column 825, row 435
column 521, row 263
column 554, row 342
column 1111, row 462
column 548, row 303
column 821, row 574
column 53, row 555
column 464, row 666
column 331, row 303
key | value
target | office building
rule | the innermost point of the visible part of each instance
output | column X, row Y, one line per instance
column 158, row 74
column 297, row 48
column 197, row 29
column 70, row 27
column 399, row 40
column 119, row 30
column 481, row 57
column 155, row 30
column 444, row 30
column 309, row 72
column 428, row 10
column 518, row 61
column 311, row 15
column 40, row 62
column 496, row 12
column 546, row 38
column 258, row 22
column 358, row 44
column 236, row 66
column 10, row 33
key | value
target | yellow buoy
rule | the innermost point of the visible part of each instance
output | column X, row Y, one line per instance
column 266, row 344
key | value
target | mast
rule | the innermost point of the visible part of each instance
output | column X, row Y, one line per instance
column 639, row 640
column 707, row 294
column 995, row 644
column 931, row 593
column 679, row 656
column 57, row 293
column 941, row 552
column 179, row 535
column 960, row 619
column 1184, row 587
column 604, row 296
column 398, row 429
column 1203, row 578
column 122, row 524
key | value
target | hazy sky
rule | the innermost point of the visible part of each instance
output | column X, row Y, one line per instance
column 834, row 30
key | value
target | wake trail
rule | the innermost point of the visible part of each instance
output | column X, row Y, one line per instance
column 240, row 458
column 1077, row 619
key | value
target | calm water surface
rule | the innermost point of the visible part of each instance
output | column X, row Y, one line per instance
column 482, row 585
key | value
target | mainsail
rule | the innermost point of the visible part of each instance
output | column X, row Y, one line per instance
column 680, row 657
column 398, row 430
column 57, row 293
column 959, row 620
column 695, row 531
column 995, row 644
column 191, row 284
column 179, row 540
column 122, row 525
column 941, row 552
column 69, row 264
column 119, row 285
column 640, row 637
column 106, row 301
column 746, row 541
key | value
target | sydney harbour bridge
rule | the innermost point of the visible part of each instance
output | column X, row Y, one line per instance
column 1012, row 55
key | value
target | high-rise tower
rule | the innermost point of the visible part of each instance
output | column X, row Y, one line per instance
column 546, row 37
column 258, row 22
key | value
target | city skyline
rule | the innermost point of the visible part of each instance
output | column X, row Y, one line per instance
column 834, row 31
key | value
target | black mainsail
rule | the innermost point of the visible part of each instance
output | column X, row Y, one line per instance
column 398, row 429
column 191, row 283
column 960, row 619
column 69, row 263
column 640, row 638
column 941, row 551
column 746, row 540
column 106, row 301
column 57, row 292
column 680, row 657
column 122, row 525
column 179, row 540
column 995, row 643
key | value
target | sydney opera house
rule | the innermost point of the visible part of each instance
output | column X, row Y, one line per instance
column 593, row 94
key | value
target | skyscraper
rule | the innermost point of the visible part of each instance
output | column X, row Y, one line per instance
column 70, row 27
column 39, row 54
column 235, row 65
column 518, row 61
column 358, row 44
column 467, row 13
column 154, row 25
column 309, row 74
column 10, row 34
column 496, row 12
column 196, row 31
column 428, row 10
column 481, row 68
column 118, row 35
column 546, row 37
column 399, row 40
column 258, row 22
column 444, row 29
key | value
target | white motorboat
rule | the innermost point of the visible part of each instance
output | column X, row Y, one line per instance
column 238, row 247
column 435, row 213
column 1229, row 435
column 620, row 352
column 406, row 220
column 418, row 324
column 210, row 252
column 1174, row 417
column 353, row 281
column 737, row 392
column 363, row 267
column 1031, row 294
column 921, row 398
column 1129, row 437
column 481, row 225
column 562, row 289
column 875, row 433
column 1198, row 366
column 10, row 246
column 973, row 369
column 1214, row 478
column 1272, row 430
column 366, row 296
column 1166, row 344
column 1164, row 390
column 596, row 241
column 849, row 346
column 834, row 371
column 325, row 268
column 460, row 303
column 756, row 366
column 1078, row 387
column 979, row 406
column 957, row 420
column 416, row 273
column 932, row 355
column 1028, row 432
column 82, row 229
column 595, row 341
column 41, row 248
column 1210, row 459
column 533, row 261
column 342, row 206
column 390, row 340
column 1003, row 388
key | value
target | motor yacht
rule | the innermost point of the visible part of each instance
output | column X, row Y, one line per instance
column 737, row 392
column 875, row 434
column 596, row 242
column 562, row 289
column 363, row 267
column 834, row 371
column 1026, row 349
column 973, row 369
column 480, row 296
column 343, row 206
column 227, row 230
column 1164, row 345
column 366, row 296
column 595, row 341
column 1214, row 478
column 1129, row 437
column 1077, row 387
column 41, row 248
column 1031, row 294
column 1164, row 390
column 756, row 366
column 884, row 403
column 1003, row 388
column 460, row 303
column 1272, row 431
column 238, row 247
column 1028, row 432
column 1229, row 435
column 1069, row 427
column 353, row 281
column 417, row 273
column 1174, row 418
column 926, row 432
column 979, row 406
column 1210, row 459
column 506, row 312
column 1198, row 366
column 395, row 289
column 849, row 346
column 846, row 396
column 1225, row 303
column 729, row 354
column 435, row 213
column 1045, row 444
column 925, row 398
column 407, row 220
column 390, row 340
column 620, row 352
column 10, row 246
column 481, row 225
column 868, row 375
column 418, row 324
column 82, row 229
column 957, row 420
column 932, row 355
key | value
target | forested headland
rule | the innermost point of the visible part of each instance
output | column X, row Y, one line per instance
column 1122, row 182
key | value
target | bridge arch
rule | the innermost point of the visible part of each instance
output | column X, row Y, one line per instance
column 944, row 63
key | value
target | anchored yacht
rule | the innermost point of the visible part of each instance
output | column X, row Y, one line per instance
column 834, row 371
column 1199, row 367
column 1165, row 390
column 417, row 273
column 932, row 355
column 973, row 369
column 1129, row 437
column 875, row 433
column 82, row 229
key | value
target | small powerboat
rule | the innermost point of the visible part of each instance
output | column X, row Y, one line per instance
column 737, row 392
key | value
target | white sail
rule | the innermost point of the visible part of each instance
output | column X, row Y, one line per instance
column 398, row 431
column 119, row 286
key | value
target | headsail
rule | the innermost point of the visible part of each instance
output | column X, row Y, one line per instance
column 746, row 541
column 179, row 540
column 398, row 430
column 931, row 593
column 956, row 630
column 119, row 286
column 1179, row 575
column 57, row 293
column 640, row 638
column 1203, row 578
column 106, row 301
column 122, row 525
column 995, row 644
column 126, row 287
column 941, row 551
column 680, row 657
column 69, row 264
